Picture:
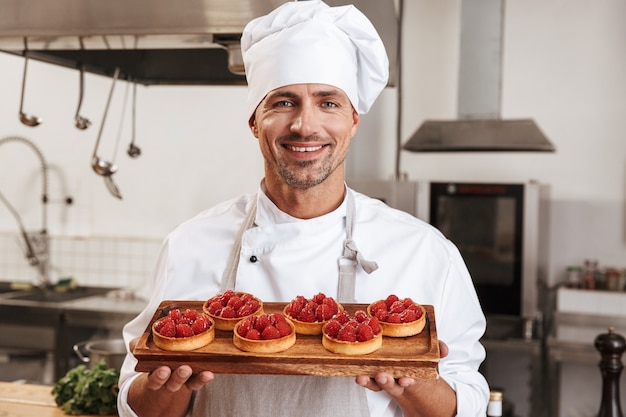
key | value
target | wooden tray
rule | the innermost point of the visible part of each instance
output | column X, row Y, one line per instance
column 416, row 356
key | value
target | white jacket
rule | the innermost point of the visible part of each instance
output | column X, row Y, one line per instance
column 299, row 257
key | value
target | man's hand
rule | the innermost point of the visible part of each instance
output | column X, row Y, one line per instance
column 416, row 397
column 163, row 377
column 164, row 392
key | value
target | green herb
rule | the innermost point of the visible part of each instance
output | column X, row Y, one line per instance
column 88, row 391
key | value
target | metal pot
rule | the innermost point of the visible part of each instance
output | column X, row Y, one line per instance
column 112, row 351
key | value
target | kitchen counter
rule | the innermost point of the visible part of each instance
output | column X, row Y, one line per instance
column 25, row 400
column 55, row 326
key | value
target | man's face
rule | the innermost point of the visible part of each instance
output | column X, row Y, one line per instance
column 304, row 132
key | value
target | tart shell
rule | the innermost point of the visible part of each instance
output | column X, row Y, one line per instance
column 184, row 344
column 228, row 324
column 402, row 329
column 352, row 348
column 265, row 346
column 305, row 327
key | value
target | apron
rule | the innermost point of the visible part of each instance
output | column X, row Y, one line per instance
column 288, row 395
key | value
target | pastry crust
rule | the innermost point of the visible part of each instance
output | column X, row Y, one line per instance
column 265, row 346
column 228, row 324
column 352, row 348
column 402, row 329
column 184, row 343
column 309, row 328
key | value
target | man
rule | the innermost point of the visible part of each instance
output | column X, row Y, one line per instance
column 312, row 70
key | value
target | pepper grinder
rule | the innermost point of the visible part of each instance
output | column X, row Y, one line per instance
column 611, row 346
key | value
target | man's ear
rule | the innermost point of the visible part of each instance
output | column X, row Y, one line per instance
column 252, row 126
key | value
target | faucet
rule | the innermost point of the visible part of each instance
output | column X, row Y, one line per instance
column 37, row 248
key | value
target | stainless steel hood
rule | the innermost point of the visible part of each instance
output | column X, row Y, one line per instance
column 154, row 41
column 479, row 126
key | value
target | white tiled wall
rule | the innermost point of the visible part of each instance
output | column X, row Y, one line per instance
column 101, row 261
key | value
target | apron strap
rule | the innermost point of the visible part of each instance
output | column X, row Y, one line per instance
column 229, row 277
column 351, row 258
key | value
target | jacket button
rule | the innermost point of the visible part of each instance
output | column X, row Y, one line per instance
column 253, row 259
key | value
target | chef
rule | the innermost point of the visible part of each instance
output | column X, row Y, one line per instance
column 312, row 70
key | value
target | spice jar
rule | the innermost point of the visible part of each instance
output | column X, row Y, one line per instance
column 574, row 277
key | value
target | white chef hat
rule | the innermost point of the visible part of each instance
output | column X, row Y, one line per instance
column 310, row 42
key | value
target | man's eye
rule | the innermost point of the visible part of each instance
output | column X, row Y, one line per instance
column 329, row 104
column 283, row 103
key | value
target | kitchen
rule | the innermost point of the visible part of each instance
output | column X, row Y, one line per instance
column 563, row 65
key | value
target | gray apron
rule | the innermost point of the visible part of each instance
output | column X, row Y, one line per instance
column 233, row 395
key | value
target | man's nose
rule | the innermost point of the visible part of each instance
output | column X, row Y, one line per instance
column 305, row 121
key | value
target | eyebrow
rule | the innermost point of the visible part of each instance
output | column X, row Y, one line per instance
column 289, row 94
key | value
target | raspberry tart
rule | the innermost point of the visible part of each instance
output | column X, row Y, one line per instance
column 356, row 335
column 229, row 308
column 399, row 317
column 310, row 315
column 183, row 330
column 266, row 333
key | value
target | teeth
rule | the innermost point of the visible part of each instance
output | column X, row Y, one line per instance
column 304, row 149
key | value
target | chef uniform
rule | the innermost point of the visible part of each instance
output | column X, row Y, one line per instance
column 360, row 252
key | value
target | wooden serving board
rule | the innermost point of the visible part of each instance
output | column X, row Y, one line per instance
column 416, row 356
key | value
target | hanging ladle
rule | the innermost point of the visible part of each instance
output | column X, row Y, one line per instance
column 81, row 122
column 133, row 150
column 28, row 120
column 99, row 165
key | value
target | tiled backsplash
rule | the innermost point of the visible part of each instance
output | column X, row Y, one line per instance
column 101, row 261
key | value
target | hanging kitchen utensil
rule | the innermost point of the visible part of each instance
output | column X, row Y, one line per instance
column 99, row 165
column 133, row 150
column 28, row 120
column 81, row 122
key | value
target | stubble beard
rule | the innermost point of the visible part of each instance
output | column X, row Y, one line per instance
column 299, row 174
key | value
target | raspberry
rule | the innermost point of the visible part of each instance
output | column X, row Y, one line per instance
column 396, row 307
column 343, row 317
column 284, row 329
column 347, row 334
column 159, row 324
column 215, row 307
column 200, row 325
column 228, row 313
column 294, row 308
column 394, row 318
column 378, row 306
column 306, row 315
column 246, row 297
column 190, row 314
column 227, row 296
column 253, row 304
column 245, row 310
column 245, row 326
column 408, row 302
column 332, row 328
column 183, row 330
column 408, row 316
column 364, row 333
column 390, row 300
column 331, row 304
column 276, row 318
column 168, row 329
column 319, row 297
column 360, row 316
column 323, row 313
column 381, row 314
column 235, row 303
column 374, row 323
column 262, row 322
column 270, row 332
column 174, row 314
column 253, row 334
